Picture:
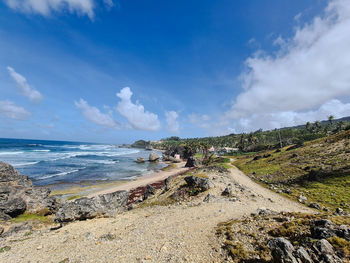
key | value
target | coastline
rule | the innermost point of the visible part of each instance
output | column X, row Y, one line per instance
column 110, row 187
column 142, row 180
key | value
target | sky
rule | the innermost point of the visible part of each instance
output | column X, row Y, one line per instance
column 115, row 71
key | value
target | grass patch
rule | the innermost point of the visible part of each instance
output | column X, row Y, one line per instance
column 28, row 233
column 169, row 167
column 5, row 249
column 31, row 217
column 72, row 197
column 319, row 170
column 341, row 244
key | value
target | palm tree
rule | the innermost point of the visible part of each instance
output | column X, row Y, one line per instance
column 330, row 119
column 317, row 125
column 308, row 126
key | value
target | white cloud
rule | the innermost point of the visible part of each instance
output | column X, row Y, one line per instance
column 13, row 111
column 201, row 121
column 25, row 89
column 46, row 7
column 135, row 113
column 290, row 118
column 94, row 115
column 302, row 80
column 171, row 120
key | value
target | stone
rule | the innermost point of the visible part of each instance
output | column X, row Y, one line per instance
column 343, row 231
column 339, row 211
column 17, row 195
column 99, row 206
column 153, row 157
column 227, row 191
column 191, row 162
column 140, row 160
column 150, row 190
column 198, row 182
column 209, row 198
column 282, row 250
column 17, row 228
column 1, row 230
column 325, row 251
column 302, row 255
column 302, row 199
column 322, row 228
column 315, row 206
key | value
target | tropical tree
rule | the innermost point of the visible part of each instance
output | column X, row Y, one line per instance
column 330, row 119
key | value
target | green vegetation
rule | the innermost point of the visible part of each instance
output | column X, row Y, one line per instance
column 31, row 217
column 260, row 140
column 169, row 167
column 28, row 233
column 319, row 169
column 73, row 197
column 140, row 144
column 4, row 249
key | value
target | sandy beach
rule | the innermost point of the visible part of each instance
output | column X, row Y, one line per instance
column 143, row 180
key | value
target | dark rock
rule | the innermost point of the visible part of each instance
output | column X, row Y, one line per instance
column 282, row 250
column 322, row 228
column 339, row 211
column 198, row 182
column 191, row 162
column 315, row 206
column 227, row 191
column 150, row 190
column 302, row 255
column 99, row 206
column 258, row 157
column 1, row 230
column 287, row 191
column 343, row 231
column 167, row 183
column 14, row 207
column 153, row 157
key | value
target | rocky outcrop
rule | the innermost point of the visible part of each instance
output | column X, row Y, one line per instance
column 191, row 162
column 17, row 195
column 198, row 182
column 140, row 160
column 153, row 157
column 169, row 158
column 282, row 250
column 87, row 208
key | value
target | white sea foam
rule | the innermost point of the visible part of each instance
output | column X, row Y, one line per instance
column 23, row 164
column 58, row 174
column 10, row 153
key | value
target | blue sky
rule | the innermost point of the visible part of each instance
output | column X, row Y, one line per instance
column 117, row 71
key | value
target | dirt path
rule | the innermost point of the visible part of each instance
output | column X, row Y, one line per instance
column 178, row 233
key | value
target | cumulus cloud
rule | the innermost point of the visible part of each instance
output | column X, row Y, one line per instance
column 46, row 7
column 201, row 121
column 25, row 89
column 171, row 120
column 135, row 113
column 94, row 115
column 11, row 110
column 302, row 80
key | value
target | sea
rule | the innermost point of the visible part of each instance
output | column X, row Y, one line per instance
column 60, row 163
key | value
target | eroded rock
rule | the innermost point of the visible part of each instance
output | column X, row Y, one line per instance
column 99, row 206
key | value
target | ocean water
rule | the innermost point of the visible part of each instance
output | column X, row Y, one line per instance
column 57, row 162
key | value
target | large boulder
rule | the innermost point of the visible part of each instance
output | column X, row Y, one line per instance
column 153, row 157
column 198, row 182
column 86, row 208
column 282, row 250
column 140, row 160
column 17, row 195
column 191, row 162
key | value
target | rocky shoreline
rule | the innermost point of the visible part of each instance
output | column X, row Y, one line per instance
column 176, row 216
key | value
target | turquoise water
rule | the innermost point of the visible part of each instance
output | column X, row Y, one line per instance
column 58, row 162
